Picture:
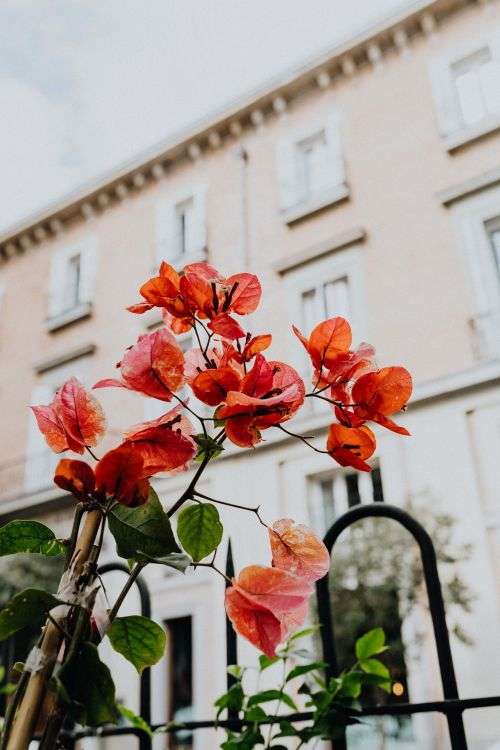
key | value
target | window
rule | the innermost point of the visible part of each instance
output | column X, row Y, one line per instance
column 326, row 301
column 341, row 491
column 466, row 87
column 477, row 84
column 311, row 161
column 180, row 679
column 72, row 281
column 311, row 169
column 184, row 216
column 181, row 233
column 477, row 222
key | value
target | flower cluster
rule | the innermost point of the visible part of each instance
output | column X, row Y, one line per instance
column 228, row 371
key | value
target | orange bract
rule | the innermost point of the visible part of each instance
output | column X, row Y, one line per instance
column 73, row 420
column 270, row 394
column 154, row 366
column 264, row 604
column 120, row 474
column 297, row 549
column 75, row 476
column 327, row 340
column 161, row 446
column 212, row 386
column 379, row 394
column 350, row 446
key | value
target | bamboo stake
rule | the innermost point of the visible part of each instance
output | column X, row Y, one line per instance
column 26, row 717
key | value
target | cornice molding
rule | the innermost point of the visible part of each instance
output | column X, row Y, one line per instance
column 331, row 245
column 392, row 34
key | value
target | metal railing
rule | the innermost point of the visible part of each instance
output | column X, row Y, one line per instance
column 452, row 706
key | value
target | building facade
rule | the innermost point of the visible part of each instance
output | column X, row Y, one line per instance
column 365, row 183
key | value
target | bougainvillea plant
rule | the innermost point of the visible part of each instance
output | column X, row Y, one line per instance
column 247, row 394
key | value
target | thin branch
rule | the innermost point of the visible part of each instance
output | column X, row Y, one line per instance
column 91, row 453
column 123, row 593
column 231, row 505
column 213, row 567
column 305, row 439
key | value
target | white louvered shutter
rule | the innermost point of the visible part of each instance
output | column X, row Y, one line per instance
column 165, row 225
column 286, row 162
column 335, row 173
column 88, row 270
column 40, row 460
column 196, row 239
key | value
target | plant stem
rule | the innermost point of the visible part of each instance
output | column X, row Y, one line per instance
column 189, row 489
column 123, row 593
column 305, row 439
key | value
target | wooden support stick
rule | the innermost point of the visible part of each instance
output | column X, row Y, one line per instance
column 26, row 716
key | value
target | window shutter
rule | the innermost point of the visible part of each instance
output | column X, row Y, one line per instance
column 40, row 460
column 443, row 89
column 491, row 76
column 286, row 157
column 334, row 163
column 197, row 233
column 88, row 271
column 57, row 282
column 165, row 241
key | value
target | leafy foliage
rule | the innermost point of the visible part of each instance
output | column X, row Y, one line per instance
column 27, row 607
column 140, row 640
column 89, row 687
column 143, row 532
column 29, row 536
column 199, row 530
column 136, row 721
column 332, row 701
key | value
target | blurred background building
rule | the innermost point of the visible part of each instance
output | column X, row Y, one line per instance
column 365, row 184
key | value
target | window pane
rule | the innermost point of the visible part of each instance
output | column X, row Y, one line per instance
column 475, row 85
column 470, row 97
column 353, row 497
column 312, row 164
column 73, row 276
column 336, row 298
column 184, row 229
column 493, row 232
column 378, row 491
column 309, row 311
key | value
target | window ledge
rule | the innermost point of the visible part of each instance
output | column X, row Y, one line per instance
column 468, row 135
column 183, row 260
column 315, row 203
column 64, row 319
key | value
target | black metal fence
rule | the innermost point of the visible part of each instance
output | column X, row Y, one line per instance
column 452, row 706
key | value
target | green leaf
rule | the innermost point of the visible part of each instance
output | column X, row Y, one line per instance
column 256, row 713
column 351, row 685
column 177, row 560
column 140, row 640
column 267, row 661
column 304, row 633
column 271, row 695
column 375, row 666
column 145, row 530
column 208, row 447
column 135, row 720
column 232, row 700
column 370, row 643
column 89, row 685
column 30, row 607
column 29, row 536
column 304, row 669
column 199, row 530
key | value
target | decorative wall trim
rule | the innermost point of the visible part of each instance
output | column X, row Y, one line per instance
column 357, row 234
column 469, row 187
column 315, row 204
column 57, row 322
column 363, row 52
column 62, row 359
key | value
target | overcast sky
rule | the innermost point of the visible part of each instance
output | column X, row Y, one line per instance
column 86, row 84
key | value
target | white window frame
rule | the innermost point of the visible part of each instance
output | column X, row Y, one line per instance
column 471, row 217
column 451, row 126
column 295, row 202
column 60, row 313
column 167, row 211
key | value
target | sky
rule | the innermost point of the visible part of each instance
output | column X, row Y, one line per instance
column 88, row 84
